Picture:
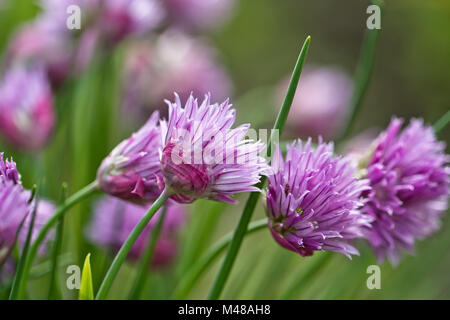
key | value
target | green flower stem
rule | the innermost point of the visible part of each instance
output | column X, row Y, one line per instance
column 302, row 280
column 194, row 273
column 126, row 247
column 87, row 191
column 147, row 258
column 241, row 229
column 362, row 77
column 442, row 122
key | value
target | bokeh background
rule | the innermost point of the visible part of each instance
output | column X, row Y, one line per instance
column 257, row 47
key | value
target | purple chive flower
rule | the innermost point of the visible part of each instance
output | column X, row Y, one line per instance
column 313, row 200
column 132, row 170
column 203, row 157
column 199, row 13
column 176, row 62
column 121, row 18
column 321, row 103
column 8, row 172
column 114, row 219
column 409, row 175
column 14, row 209
column 26, row 108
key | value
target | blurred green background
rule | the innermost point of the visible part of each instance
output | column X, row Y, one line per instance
column 258, row 47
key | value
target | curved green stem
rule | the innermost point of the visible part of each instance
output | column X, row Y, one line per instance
column 246, row 216
column 71, row 201
column 146, row 258
column 128, row 244
column 194, row 273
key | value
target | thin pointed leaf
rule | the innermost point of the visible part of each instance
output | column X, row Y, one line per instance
column 86, row 288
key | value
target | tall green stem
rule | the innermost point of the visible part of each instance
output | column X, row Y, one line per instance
column 146, row 258
column 239, row 233
column 362, row 76
column 127, row 245
column 194, row 273
column 90, row 189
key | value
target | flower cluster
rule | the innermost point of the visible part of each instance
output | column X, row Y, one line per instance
column 195, row 154
column 313, row 200
column 202, row 157
column 409, row 180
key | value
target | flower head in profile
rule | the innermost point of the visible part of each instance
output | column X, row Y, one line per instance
column 313, row 200
column 203, row 157
column 409, row 175
column 132, row 170
column 114, row 219
column 26, row 108
column 321, row 104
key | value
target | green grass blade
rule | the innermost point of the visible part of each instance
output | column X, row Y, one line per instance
column 442, row 122
column 86, row 288
column 362, row 77
column 15, row 289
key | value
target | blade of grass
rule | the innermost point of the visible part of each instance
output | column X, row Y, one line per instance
column 442, row 122
column 143, row 269
column 20, row 267
column 362, row 76
column 56, row 248
column 86, row 288
column 247, row 213
column 193, row 274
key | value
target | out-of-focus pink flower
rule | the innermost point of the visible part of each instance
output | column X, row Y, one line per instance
column 32, row 44
column 321, row 102
column 410, row 178
column 199, row 13
column 114, row 219
column 177, row 63
column 26, row 108
column 121, row 18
